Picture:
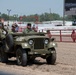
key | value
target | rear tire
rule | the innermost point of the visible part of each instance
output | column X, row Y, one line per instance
column 0, row 53
column 31, row 60
column 4, row 56
column 21, row 56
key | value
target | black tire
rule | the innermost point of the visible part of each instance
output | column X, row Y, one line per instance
column 9, row 42
column 51, row 59
column 31, row 60
column 21, row 56
column 4, row 56
column 0, row 53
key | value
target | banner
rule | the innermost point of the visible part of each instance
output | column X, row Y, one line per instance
column 70, row 7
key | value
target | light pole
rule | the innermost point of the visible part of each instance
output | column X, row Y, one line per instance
column 0, row 15
column 50, row 15
column 15, row 16
column 63, row 12
column 8, row 14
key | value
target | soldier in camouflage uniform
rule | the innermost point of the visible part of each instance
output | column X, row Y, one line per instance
column 28, row 29
column 3, row 32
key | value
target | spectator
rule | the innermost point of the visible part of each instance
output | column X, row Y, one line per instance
column 73, row 35
column 48, row 34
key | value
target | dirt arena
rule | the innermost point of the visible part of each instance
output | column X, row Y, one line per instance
column 65, row 63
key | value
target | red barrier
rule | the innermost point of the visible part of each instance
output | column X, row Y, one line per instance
column 64, row 35
column 73, row 35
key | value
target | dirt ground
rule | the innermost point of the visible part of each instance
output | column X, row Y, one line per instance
column 65, row 63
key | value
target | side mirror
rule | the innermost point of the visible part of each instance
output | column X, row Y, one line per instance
column 52, row 39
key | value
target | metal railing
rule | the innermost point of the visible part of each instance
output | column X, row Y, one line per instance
column 64, row 35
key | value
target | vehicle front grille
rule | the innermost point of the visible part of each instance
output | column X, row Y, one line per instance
column 38, row 43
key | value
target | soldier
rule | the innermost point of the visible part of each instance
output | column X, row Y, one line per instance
column 3, row 31
column 28, row 29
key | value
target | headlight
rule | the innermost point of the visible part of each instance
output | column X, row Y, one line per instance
column 46, row 41
column 31, row 42
column 54, row 44
column 25, row 44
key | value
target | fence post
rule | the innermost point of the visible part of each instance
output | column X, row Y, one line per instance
column 60, row 36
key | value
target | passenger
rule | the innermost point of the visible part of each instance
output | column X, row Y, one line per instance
column 28, row 29
column 34, row 28
column 8, row 27
column 5, row 26
column 13, row 28
column 16, row 28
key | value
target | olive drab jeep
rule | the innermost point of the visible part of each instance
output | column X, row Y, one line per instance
column 26, row 47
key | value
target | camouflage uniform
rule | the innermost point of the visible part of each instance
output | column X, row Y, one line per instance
column 28, row 30
column 2, row 34
column 3, row 31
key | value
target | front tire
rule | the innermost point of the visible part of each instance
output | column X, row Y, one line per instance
column 21, row 56
column 51, row 59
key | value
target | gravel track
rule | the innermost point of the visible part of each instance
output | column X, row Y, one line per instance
column 65, row 63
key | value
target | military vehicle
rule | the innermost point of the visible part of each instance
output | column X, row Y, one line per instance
column 26, row 47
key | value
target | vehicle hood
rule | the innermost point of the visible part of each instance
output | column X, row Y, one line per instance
column 32, row 37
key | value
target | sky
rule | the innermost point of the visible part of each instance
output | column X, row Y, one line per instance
column 29, row 7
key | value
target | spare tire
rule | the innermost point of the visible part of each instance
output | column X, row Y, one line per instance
column 9, row 42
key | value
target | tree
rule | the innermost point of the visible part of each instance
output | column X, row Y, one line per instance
column 35, row 17
column 4, row 16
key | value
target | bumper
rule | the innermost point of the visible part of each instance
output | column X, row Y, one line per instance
column 41, row 52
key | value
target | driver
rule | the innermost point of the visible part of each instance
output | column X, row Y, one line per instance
column 28, row 29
